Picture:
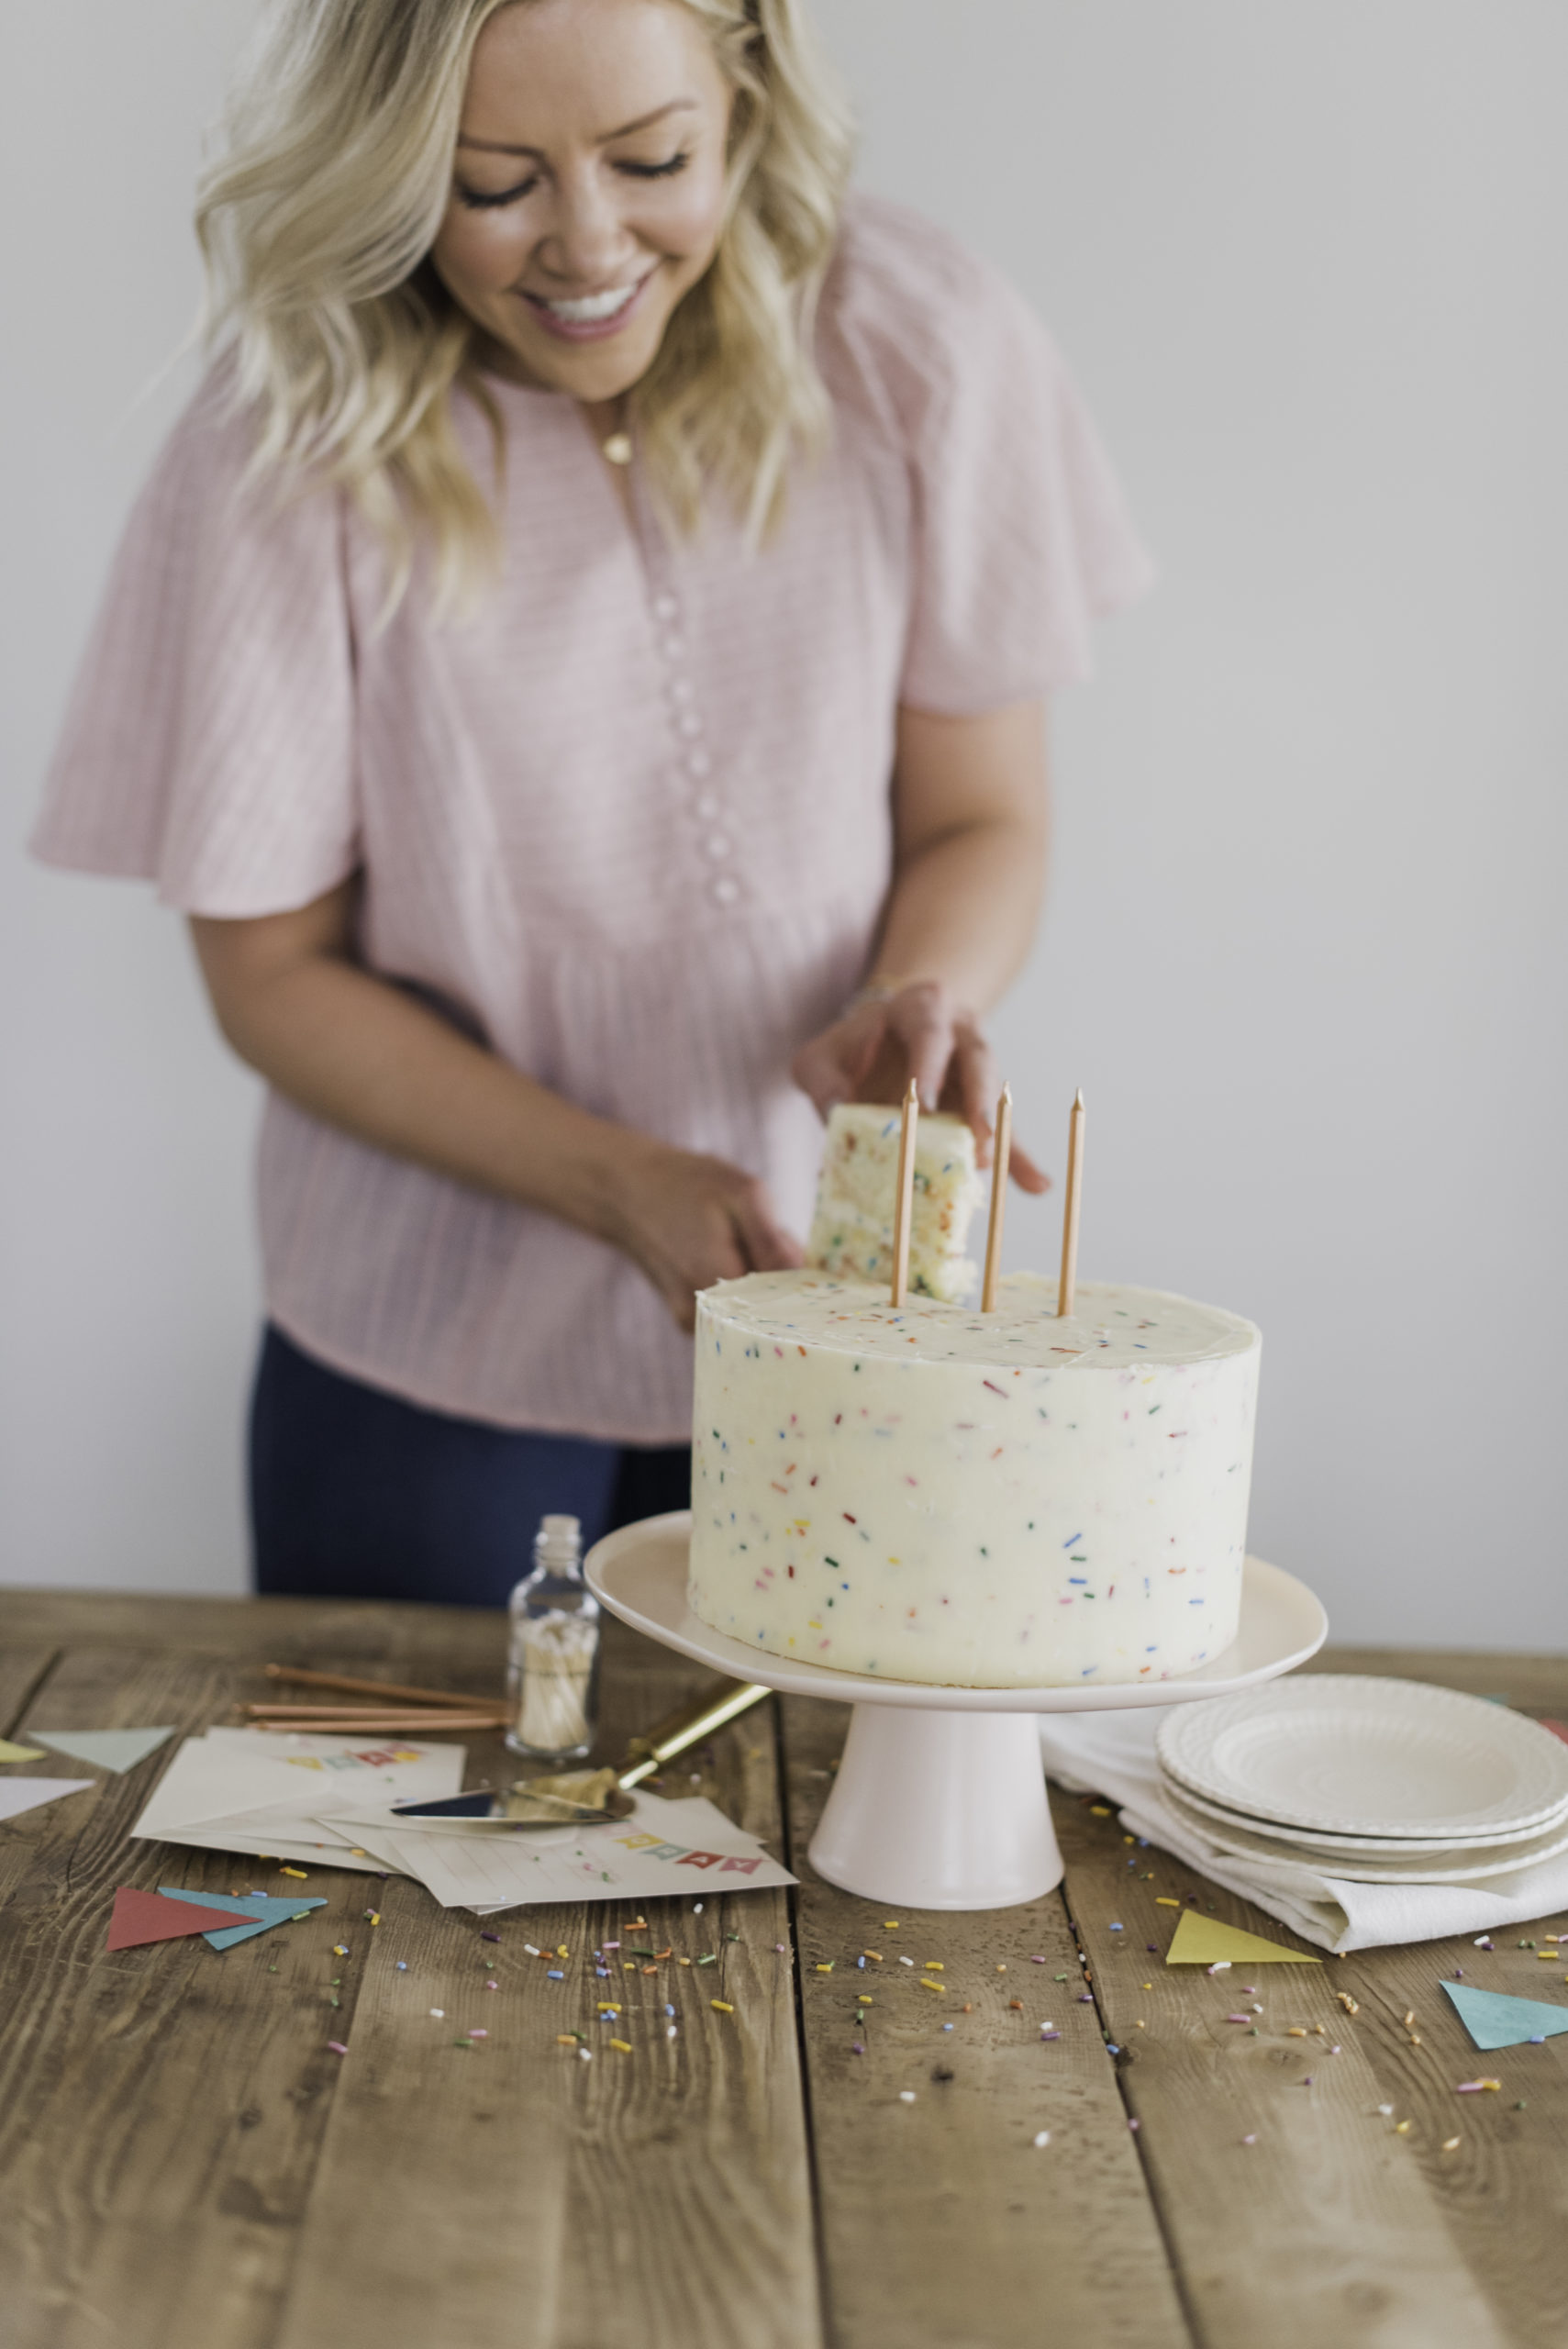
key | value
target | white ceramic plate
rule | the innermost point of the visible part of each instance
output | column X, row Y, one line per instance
column 1450, row 1866
column 640, row 1573
column 1366, row 1847
column 1353, row 1756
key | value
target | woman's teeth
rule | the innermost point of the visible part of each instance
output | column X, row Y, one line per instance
column 592, row 308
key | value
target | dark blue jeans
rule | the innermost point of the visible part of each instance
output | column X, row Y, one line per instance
column 356, row 1494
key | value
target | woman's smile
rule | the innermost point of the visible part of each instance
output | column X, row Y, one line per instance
column 589, row 318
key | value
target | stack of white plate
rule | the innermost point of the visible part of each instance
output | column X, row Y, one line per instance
column 1385, row 1781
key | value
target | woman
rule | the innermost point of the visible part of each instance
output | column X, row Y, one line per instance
column 580, row 664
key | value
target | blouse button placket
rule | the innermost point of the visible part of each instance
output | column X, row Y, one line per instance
column 704, row 807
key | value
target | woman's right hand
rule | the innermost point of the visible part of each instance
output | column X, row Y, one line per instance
column 687, row 1221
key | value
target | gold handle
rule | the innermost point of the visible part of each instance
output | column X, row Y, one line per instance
column 720, row 1702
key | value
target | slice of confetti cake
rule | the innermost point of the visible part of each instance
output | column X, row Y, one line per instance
column 852, row 1232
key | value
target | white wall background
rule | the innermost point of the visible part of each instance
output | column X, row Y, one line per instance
column 1305, row 948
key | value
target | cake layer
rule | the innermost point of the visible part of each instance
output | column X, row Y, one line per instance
column 980, row 1501
column 852, row 1231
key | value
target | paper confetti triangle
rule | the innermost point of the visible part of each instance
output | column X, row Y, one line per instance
column 146, row 1917
column 1203, row 1941
column 107, row 1749
column 1493, row 2019
column 17, row 1795
column 254, row 1913
column 9, row 1752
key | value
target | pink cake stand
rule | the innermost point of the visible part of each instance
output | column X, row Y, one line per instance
column 940, row 1797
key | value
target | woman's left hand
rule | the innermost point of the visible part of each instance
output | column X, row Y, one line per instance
column 918, row 1030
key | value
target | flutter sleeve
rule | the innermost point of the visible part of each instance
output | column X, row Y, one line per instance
column 208, row 744
column 1020, row 534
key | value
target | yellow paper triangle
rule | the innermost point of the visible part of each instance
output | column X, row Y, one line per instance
column 1203, row 1941
column 9, row 1752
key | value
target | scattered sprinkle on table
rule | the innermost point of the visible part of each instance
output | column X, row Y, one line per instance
column 905, row 2096
column 337, row 2048
column 1042, row 2137
column 721, row 2005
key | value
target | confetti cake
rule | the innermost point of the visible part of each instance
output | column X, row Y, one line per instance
column 852, row 1232
column 978, row 1500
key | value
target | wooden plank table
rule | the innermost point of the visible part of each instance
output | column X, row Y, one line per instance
column 185, row 2165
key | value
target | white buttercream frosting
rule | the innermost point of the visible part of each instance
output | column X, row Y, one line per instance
column 1002, row 1499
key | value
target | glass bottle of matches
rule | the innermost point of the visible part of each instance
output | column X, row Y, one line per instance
column 552, row 1686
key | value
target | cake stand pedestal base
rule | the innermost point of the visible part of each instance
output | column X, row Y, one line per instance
column 940, row 1799
column 940, row 1811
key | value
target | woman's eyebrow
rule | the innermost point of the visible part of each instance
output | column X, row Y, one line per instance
column 500, row 147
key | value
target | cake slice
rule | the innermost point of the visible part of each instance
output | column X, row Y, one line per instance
column 852, row 1231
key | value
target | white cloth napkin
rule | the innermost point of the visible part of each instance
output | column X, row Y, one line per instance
column 1113, row 1754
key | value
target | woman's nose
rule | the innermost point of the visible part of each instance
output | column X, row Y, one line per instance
column 586, row 240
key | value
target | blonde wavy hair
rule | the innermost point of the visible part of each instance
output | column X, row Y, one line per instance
column 317, row 224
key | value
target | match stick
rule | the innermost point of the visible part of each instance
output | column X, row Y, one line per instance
column 903, row 1202
column 384, row 1725
column 382, row 1689
column 1067, row 1287
column 297, row 1713
column 1001, row 1153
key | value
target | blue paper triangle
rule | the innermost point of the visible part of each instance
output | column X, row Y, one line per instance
column 1493, row 2019
column 261, row 1912
column 107, row 1749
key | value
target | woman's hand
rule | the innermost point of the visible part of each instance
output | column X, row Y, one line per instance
column 687, row 1221
column 369, row 1058
column 915, row 1031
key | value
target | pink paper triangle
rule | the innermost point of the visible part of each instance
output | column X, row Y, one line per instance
column 143, row 1917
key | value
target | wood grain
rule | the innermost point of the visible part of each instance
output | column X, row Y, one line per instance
column 160, row 2108
column 23, row 1670
column 513, row 2192
column 287, row 1630
column 941, row 2221
column 1323, row 2234
column 183, row 2161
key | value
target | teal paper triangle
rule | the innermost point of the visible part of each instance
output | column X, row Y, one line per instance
column 260, row 1910
column 1495, row 2019
column 107, row 1749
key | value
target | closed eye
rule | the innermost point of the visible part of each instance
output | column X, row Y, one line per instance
column 482, row 200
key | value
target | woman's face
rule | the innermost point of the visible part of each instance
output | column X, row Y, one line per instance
column 587, row 187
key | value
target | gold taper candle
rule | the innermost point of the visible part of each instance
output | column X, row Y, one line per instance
column 903, row 1202
column 1001, row 1153
column 1067, row 1287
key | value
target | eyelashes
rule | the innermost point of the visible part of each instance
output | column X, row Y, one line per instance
column 477, row 200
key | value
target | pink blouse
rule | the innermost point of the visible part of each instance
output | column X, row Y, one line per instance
column 629, row 823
